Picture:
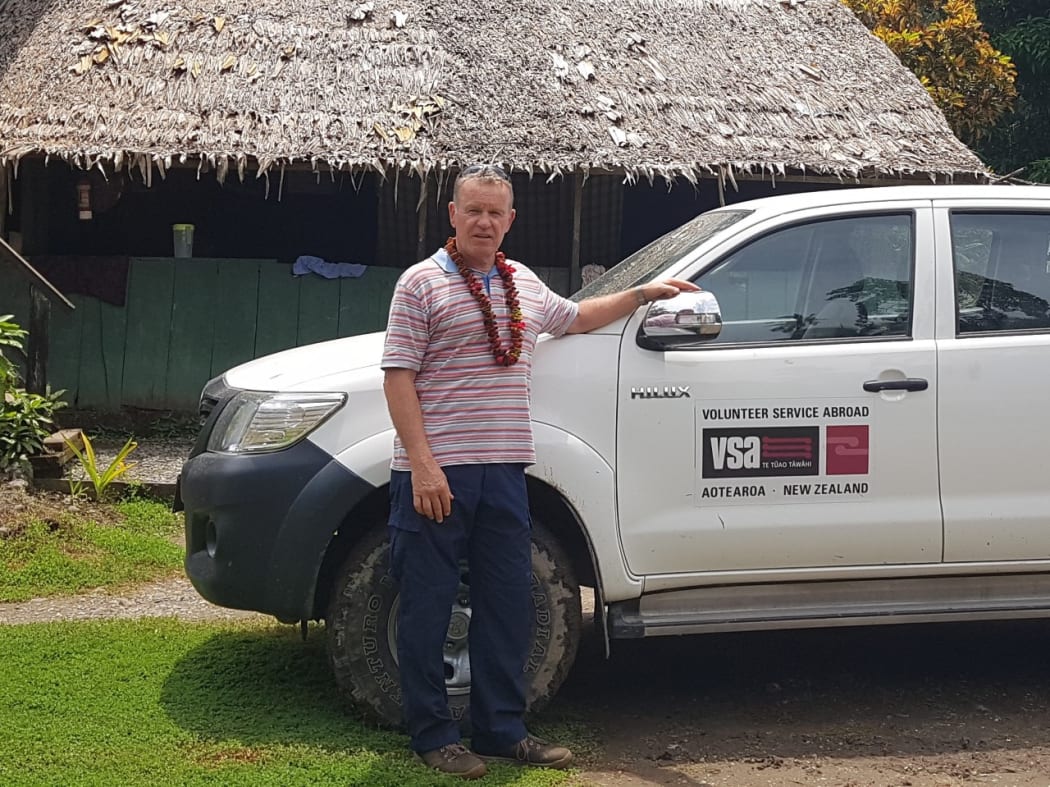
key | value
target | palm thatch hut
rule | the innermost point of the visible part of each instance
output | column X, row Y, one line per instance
column 647, row 88
column 334, row 128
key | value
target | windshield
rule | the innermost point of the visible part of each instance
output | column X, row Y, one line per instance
column 645, row 263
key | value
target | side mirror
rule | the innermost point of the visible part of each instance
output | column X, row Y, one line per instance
column 689, row 318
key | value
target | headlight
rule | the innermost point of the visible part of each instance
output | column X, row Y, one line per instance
column 257, row 421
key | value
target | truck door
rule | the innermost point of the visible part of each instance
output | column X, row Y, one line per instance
column 790, row 441
column 994, row 355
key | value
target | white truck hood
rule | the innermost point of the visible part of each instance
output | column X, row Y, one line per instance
column 324, row 366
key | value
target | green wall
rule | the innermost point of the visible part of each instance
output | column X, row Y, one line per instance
column 188, row 320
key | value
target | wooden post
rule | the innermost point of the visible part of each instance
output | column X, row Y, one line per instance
column 421, row 216
column 36, row 347
column 575, row 269
column 34, row 233
column 33, row 193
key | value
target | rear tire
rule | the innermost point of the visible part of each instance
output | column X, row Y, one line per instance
column 361, row 629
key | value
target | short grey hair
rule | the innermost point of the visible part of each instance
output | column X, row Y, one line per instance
column 484, row 172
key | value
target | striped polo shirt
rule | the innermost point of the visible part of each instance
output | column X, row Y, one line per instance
column 474, row 411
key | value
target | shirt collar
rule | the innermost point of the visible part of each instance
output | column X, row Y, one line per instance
column 444, row 261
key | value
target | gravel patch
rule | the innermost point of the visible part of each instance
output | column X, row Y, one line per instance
column 173, row 597
column 155, row 464
column 154, row 461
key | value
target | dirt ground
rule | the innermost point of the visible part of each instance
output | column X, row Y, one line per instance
column 894, row 706
column 18, row 506
column 908, row 706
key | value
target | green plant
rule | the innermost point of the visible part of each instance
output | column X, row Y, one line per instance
column 100, row 477
column 26, row 419
column 11, row 335
column 134, row 491
column 1019, row 142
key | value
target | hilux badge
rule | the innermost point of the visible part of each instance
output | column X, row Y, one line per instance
column 666, row 392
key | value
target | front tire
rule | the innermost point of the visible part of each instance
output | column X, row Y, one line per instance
column 361, row 627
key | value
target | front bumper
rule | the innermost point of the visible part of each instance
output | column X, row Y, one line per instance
column 258, row 526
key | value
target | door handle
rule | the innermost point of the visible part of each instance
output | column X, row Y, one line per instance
column 907, row 384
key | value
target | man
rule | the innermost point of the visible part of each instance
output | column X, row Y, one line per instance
column 462, row 330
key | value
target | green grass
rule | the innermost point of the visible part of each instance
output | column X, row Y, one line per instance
column 158, row 702
column 71, row 553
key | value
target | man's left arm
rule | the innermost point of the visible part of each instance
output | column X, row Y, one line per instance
column 602, row 310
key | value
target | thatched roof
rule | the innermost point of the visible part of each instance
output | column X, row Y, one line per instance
column 649, row 88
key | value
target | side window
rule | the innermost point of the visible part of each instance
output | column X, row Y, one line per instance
column 1002, row 271
column 845, row 279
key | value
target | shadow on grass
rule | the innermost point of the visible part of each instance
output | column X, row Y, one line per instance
column 267, row 687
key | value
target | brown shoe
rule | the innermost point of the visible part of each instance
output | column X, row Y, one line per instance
column 532, row 751
column 455, row 760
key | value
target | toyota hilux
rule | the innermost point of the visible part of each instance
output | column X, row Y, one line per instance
column 845, row 427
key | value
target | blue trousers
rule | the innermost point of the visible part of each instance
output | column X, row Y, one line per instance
column 490, row 528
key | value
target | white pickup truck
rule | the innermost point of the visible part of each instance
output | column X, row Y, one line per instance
column 856, row 433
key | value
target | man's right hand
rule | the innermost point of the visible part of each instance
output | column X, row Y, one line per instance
column 431, row 495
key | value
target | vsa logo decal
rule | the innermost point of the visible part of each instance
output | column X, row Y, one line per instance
column 736, row 452
column 761, row 452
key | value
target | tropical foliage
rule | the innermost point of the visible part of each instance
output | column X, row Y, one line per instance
column 101, row 477
column 1021, row 138
column 25, row 418
column 944, row 43
column 11, row 338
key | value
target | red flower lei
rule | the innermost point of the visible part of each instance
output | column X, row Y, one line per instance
column 510, row 293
